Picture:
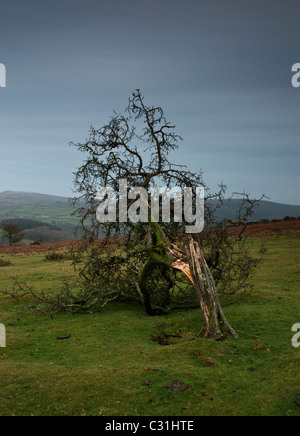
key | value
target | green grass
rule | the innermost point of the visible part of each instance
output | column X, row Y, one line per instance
column 46, row 214
column 110, row 365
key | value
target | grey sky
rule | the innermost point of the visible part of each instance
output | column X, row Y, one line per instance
column 221, row 70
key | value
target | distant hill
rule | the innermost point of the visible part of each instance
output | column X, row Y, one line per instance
column 43, row 217
column 57, row 211
column 54, row 210
column 266, row 210
column 37, row 231
column 27, row 224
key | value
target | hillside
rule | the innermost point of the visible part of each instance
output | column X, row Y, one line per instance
column 266, row 210
column 49, row 209
column 43, row 217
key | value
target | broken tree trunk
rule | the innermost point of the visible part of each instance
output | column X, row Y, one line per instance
column 206, row 291
column 192, row 263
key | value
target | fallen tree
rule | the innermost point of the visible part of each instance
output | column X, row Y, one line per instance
column 155, row 257
column 155, row 261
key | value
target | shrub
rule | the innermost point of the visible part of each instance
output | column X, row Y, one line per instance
column 58, row 256
column 55, row 256
column 288, row 218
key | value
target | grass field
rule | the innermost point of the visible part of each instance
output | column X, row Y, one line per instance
column 46, row 208
column 111, row 365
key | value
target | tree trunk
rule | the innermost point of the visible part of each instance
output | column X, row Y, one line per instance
column 193, row 264
column 206, row 291
column 143, row 286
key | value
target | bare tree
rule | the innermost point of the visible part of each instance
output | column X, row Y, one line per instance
column 135, row 146
column 12, row 232
column 156, row 263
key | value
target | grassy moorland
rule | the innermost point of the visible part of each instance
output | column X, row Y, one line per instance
column 111, row 365
column 41, row 207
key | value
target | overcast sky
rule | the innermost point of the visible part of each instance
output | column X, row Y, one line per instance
column 220, row 69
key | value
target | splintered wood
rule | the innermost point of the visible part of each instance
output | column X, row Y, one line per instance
column 184, row 267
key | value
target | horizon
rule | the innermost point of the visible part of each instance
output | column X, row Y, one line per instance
column 68, row 198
